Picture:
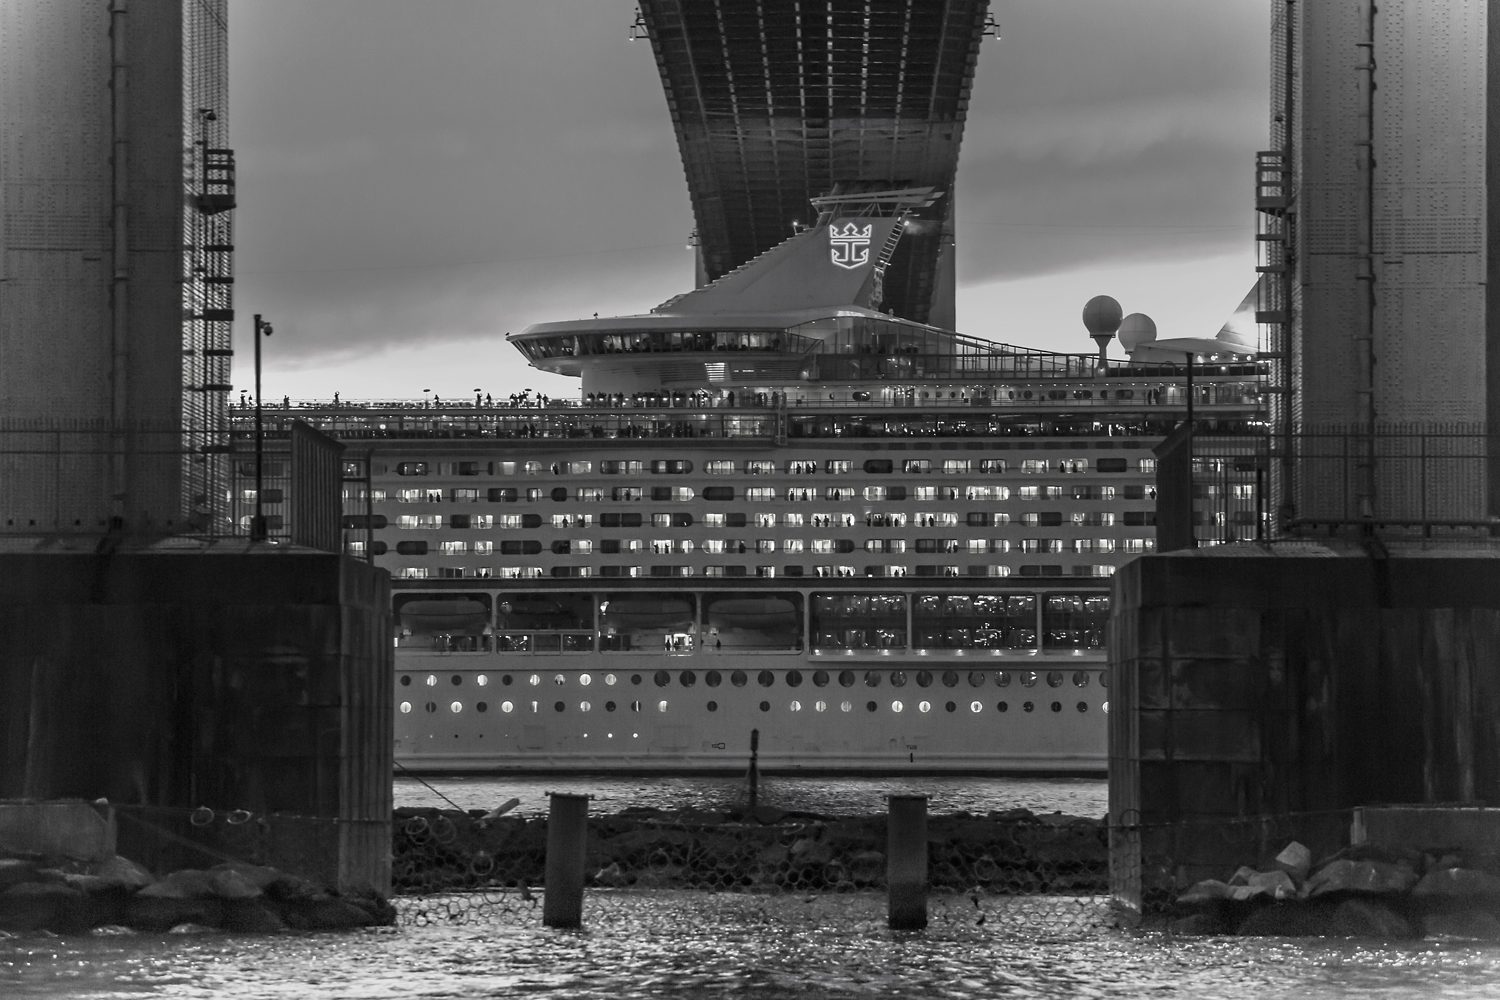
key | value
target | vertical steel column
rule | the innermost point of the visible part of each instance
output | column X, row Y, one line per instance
column 906, row 862
column 120, row 286
column 567, row 851
column 1364, row 263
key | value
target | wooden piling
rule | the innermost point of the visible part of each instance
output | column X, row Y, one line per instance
column 906, row 862
column 567, row 847
column 754, row 777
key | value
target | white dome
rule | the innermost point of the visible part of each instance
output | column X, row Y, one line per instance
column 1135, row 330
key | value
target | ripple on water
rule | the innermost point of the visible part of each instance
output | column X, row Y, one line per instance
column 702, row 945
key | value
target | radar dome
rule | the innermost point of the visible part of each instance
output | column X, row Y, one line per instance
column 1101, row 315
column 1135, row 330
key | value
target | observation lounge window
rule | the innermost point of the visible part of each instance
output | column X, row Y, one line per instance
column 543, row 622
column 1075, row 621
column 974, row 621
column 752, row 621
column 858, row 621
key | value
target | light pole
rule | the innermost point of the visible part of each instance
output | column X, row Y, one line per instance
column 258, row 521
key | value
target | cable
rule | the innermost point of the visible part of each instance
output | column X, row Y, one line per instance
column 430, row 788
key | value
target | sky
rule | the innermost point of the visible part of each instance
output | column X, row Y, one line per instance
column 419, row 177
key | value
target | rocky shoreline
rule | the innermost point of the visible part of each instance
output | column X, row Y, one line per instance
column 1362, row 891
column 438, row 850
column 117, row 895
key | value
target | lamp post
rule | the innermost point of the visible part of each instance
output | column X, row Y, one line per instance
column 258, row 521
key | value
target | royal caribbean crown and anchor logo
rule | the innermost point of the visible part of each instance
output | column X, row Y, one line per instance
column 850, row 245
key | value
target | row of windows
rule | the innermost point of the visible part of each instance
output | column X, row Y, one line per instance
column 762, row 494
column 536, row 494
column 683, row 519
column 794, row 678
column 839, row 572
column 795, row 705
column 793, row 467
column 766, row 546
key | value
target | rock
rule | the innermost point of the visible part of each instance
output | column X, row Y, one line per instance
column 867, row 866
column 1243, row 875
column 1457, row 883
column 1288, row 919
column 191, row 928
column 112, row 930
column 258, row 876
column 189, row 883
column 14, row 871
column 1197, row 923
column 1204, row 892
column 32, row 906
column 161, row 913
column 251, row 915
column 1463, row 923
column 1346, row 875
column 811, row 852
column 327, row 913
column 1295, row 860
column 1368, row 918
column 767, row 815
column 230, row 884
column 1277, row 884
column 1013, row 816
column 124, row 870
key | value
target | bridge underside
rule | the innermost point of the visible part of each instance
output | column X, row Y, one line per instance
column 776, row 102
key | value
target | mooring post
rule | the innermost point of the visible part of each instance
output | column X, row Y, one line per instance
column 906, row 862
column 754, row 765
column 567, row 850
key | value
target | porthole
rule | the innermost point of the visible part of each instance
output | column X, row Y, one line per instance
column 457, row 680
column 870, row 706
column 765, row 706
column 687, row 678
column 737, row 678
column 1003, row 707
column 406, row 708
column 1104, row 678
column 820, row 678
column 584, row 706
column 558, row 706
column 662, row 678
column 1028, row 678
column 713, row 678
column 1057, row 706
column 505, row 679
column 846, row 678
column 1083, row 706
column 507, row 707
column 482, row 680
column 976, row 706
column 1081, row 678
column 795, row 706
column 559, row 680
column 976, row 678
column 635, row 678
column 661, row 706
column 534, row 679
column 820, row 706
column 1028, row 707
column 872, row 678
column 431, row 706
column 713, row 706
column 793, row 678
column 898, row 678
column 924, row 707
column 1104, row 708
column 585, row 680
column 609, row 706
column 432, row 680
column 924, row 678
column 406, row 680
column 1002, row 678
column 846, row 706
column 456, row 707
column 1054, row 678
column 951, row 707
column 950, row 678
column 481, row 707
column 765, row 678
column 897, row 707
column 611, row 680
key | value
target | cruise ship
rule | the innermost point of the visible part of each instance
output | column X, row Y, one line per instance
column 774, row 508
